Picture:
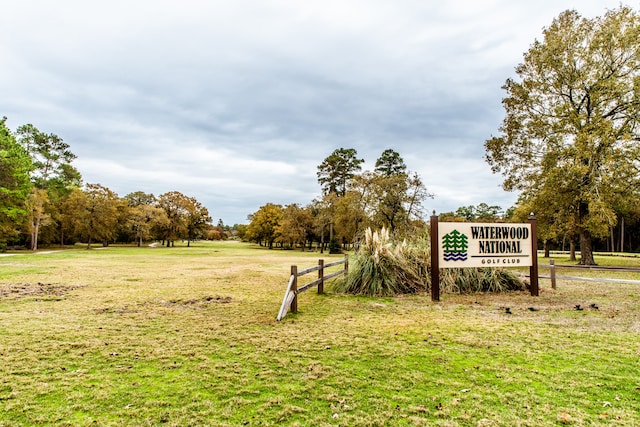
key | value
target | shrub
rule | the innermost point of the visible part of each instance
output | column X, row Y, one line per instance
column 334, row 246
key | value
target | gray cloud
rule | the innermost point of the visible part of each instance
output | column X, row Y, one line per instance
column 236, row 103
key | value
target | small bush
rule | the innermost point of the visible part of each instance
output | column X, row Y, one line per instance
column 334, row 246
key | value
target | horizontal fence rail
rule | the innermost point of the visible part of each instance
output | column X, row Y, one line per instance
column 553, row 276
column 290, row 300
column 602, row 268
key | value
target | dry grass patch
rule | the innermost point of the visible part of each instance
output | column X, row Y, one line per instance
column 22, row 290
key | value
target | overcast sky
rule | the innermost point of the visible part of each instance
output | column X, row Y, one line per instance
column 237, row 102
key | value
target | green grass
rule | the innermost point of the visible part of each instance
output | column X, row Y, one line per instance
column 188, row 336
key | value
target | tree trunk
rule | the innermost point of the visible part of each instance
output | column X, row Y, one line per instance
column 586, row 249
column 613, row 242
column 572, row 250
column 622, row 234
column 546, row 248
column 35, row 232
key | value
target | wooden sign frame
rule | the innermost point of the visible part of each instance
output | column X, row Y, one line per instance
column 435, row 256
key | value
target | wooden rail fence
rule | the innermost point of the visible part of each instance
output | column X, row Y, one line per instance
column 552, row 273
column 290, row 300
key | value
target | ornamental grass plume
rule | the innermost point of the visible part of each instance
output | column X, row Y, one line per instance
column 382, row 267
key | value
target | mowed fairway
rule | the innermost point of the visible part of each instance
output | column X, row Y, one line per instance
column 188, row 337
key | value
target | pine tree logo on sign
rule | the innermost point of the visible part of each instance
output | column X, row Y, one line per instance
column 455, row 245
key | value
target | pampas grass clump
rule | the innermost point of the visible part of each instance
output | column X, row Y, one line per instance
column 469, row 280
column 382, row 268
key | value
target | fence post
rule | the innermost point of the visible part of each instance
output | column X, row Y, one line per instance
column 294, row 288
column 552, row 272
column 435, row 260
column 346, row 265
column 320, row 276
column 533, row 270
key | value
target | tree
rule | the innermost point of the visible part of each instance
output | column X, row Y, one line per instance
column 337, row 169
column 264, row 224
column 52, row 171
column 487, row 213
column 416, row 194
column 390, row 187
column 547, row 227
column 197, row 219
column 390, row 163
column 570, row 132
column 450, row 217
column 38, row 206
column 72, row 208
column 322, row 212
column 144, row 215
column 295, row 226
column 352, row 211
column 481, row 212
column 138, row 198
column 99, row 216
column 15, row 185
column 175, row 206
column 241, row 230
column 391, row 201
column 390, row 193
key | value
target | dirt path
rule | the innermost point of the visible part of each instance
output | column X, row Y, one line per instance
column 34, row 253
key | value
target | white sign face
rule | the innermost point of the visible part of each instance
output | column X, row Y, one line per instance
column 467, row 244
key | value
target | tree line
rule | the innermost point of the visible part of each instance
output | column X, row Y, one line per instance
column 352, row 200
column 44, row 201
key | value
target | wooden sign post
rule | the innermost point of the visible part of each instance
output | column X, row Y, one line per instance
column 435, row 268
column 533, row 270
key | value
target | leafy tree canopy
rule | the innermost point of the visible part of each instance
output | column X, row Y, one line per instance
column 51, row 156
column 337, row 169
column 15, row 186
column 390, row 163
column 264, row 224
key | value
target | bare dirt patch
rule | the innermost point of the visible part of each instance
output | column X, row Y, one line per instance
column 193, row 304
column 22, row 290
column 176, row 304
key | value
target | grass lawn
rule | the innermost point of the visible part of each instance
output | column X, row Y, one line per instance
column 187, row 336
